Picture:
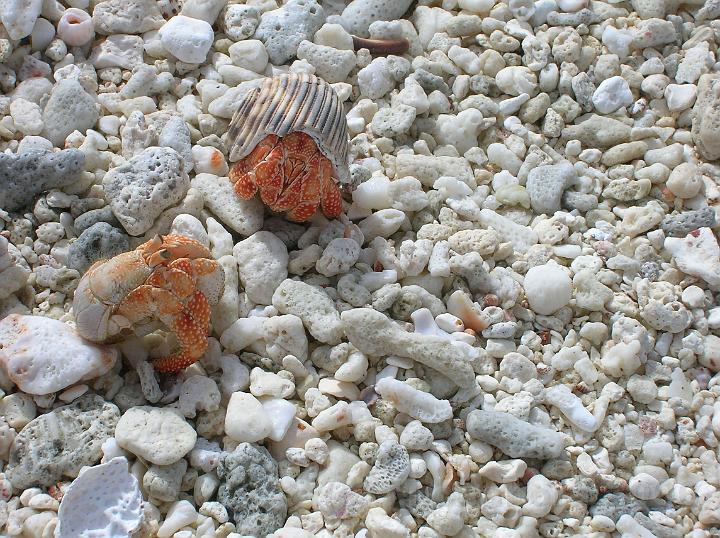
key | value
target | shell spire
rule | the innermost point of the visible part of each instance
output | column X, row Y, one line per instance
column 287, row 103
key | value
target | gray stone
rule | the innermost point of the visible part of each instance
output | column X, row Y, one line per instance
column 88, row 218
column 393, row 121
column 706, row 117
column 681, row 224
column 61, row 442
column 147, row 184
column 545, row 186
column 70, row 108
column 598, row 132
column 391, row 469
column 22, row 177
column 98, row 242
column 127, row 17
column 515, row 437
column 661, row 531
column 417, row 504
column 615, row 505
column 430, row 81
column 581, row 488
column 162, row 482
column 250, row 490
column 282, row 30
column 579, row 200
column 176, row 135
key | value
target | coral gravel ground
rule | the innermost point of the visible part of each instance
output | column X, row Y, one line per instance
column 513, row 330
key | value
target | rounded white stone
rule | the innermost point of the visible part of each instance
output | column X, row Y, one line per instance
column 187, row 39
column 548, row 288
column 685, row 181
column 611, row 94
column 246, row 419
column 644, row 486
column 159, row 435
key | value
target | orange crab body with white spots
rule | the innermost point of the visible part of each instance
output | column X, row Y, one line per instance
column 289, row 143
column 172, row 279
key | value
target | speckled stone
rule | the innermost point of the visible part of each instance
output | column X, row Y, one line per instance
column 683, row 223
column 250, row 490
column 614, row 505
column 98, row 242
column 59, row 443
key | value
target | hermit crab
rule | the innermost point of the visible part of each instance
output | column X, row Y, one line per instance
column 172, row 279
column 289, row 141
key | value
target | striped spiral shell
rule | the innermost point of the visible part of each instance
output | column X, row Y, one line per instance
column 287, row 103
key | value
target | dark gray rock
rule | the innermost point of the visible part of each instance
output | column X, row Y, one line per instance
column 250, row 490
column 282, row 30
column 87, row 219
column 683, row 223
column 615, row 505
column 23, row 177
column 515, row 437
column 98, row 242
column 70, row 108
column 61, row 442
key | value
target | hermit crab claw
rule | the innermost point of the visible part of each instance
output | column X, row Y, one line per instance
column 289, row 142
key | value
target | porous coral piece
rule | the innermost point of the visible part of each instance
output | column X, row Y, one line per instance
column 24, row 176
column 375, row 334
column 391, row 469
column 149, row 183
column 515, row 437
column 250, row 490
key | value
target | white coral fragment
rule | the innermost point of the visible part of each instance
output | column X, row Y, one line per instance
column 420, row 405
column 104, row 501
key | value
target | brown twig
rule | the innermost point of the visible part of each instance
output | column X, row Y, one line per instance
column 382, row 47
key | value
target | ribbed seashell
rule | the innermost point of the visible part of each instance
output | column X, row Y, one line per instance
column 287, row 103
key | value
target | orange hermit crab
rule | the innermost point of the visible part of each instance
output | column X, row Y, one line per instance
column 171, row 278
column 289, row 141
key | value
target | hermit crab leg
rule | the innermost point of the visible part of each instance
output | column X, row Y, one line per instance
column 269, row 176
column 331, row 197
column 188, row 322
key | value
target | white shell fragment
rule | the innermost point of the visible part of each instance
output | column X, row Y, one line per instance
column 43, row 355
column 420, row 405
column 104, row 501
column 289, row 103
